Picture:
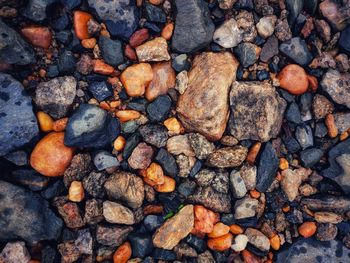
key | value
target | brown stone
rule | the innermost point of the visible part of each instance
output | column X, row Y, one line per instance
column 174, row 229
column 163, row 79
column 321, row 106
column 85, row 64
column 139, row 37
column 336, row 14
column 180, row 144
column 141, row 156
column 227, row 157
column 117, row 214
column 153, row 50
column 136, row 78
column 204, row 105
column 38, row 36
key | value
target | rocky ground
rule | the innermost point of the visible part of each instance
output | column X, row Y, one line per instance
column 174, row 131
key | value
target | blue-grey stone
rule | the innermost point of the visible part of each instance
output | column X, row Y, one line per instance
column 18, row 124
column 111, row 51
column 310, row 157
column 154, row 14
column 36, row 10
column 100, row 90
column 154, row 134
column 152, row 222
column 344, row 40
column 293, row 113
column 294, row 7
column 104, row 160
column 296, row 49
column 159, row 109
column 304, row 136
column 247, row 54
column 167, row 161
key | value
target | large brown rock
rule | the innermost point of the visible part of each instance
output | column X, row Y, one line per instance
column 204, row 106
column 256, row 111
column 175, row 229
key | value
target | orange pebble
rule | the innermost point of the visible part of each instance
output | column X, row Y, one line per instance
column 155, row 174
column 254, row 194
column 307, row 229
column 293, row 78
column 275, row 242
column 220, row 243
column 332, row 128
column 38, row 36
column 204, row 220
column 102, row 68
column 253, row 153
column 76, row 192
column 130, row 53
column 167, row 31
column 286, row 208
column 45, row 121
column 80, row 24
column 236, row 229
column 313, row 83
column 173, row 125
column 249, row 257
column 127, row 115
column 104, row 105
column 123, row 253
column 283, row 164
column 168, row 185
column 219, row 230
column 119, row 143
column 344, row 136
column 60, row 125
column 89, row 42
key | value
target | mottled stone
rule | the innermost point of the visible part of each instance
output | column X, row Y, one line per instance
column 228, row 35
column 227, row 157
column 153, row 50
column 245, row 208
column 117, row 214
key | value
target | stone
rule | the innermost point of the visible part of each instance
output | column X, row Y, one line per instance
column 200, row 145
column 66, row 63
column 310, row 157
column 79, row 167
column 111, row 51
column 291, row 180
column 84, row 65
column 30, row 179
column 282, row 29
column 335, row 13
column 162, row 254
column 120, row 23
column 296, row 49
column 266, row 26
column 328, row 217
column 261, row 122
column 180, row 144
column 117, row 214
column 205, row 92
column 154, row 134
column 327, row 203
column 56, row 96
column 174, row 229
column 181, row 63
column 248, row 174
column 345, row 40
column 15, row 252
column 26, row 215
column 36, row 10
column 221, row 182
column 206, row 257
column 304, row 136
column 188, row 15
column 294, row 8
column 240, row 243
column 153, row 50
column 293, row 114
column 70, row 212
column 104, row 160
column 326, row 232
column 237, row 185
column 100, row 90
column 181, row 82
column 247, row 54
column 257, row 239
column 167, row 161
column 112, row 236
column 163, row 80
column 204, row 177
column 93, row 212
column 183, row 250
column 18, row 126
column 228, row 35
column 152, row 222
column 141, row 156
column 69, row 252
column 93, row 184
column 13, row 49
column 37, row 36
column 227, row 157
column 321, row 106
column 226, row 4
column 91, row 127
column 185, row 164
column 154, row 13
column 269, row 49
column 294, row 79
column 141, row 245
column 309, row 249
column 342, row 121
column 126, row 187
column 159, row 109
column 246, row 23
column 211, row 199
column 267, row 168
column 337, row 86
column 245, row 208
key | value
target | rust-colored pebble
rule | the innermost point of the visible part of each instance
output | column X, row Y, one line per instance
column 60, row 125
column 220, row 243
column 45, row 121
column 119, row 143
column 307, row 229
column 294, row 79
column 249, row 257
column 76, row 192
column 253, row 153
column 102, row 68
column 283, row 165
column 275, row 242
column 167, row 31
column 220, row 229
column 81, row 20
column 167, row 187
column 236, row 229
column 38, row 36
column 254, row 194
column 88, row 43
column 123, row 253
column 330, row 124
column 127, row 115
column 139, row 37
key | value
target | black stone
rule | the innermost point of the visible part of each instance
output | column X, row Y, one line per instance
column 52, row 71
column 61, row 23
column 197, row 243
column 293, row 113
column 154, row 134
column 49, row 255
column 162, row 254
column 130, row 144
column 141, row 245
column 159, row 109
column 296, row 49
column 171, row 202
column 64, row 37
column 37, row 10
column 310, row 157
column 294, row 7
column 167, row 161
column 187, row 188
column 53, row 190
column 138, row 104
column 267, row 168
column 311, row 6
column 152, row 222
column 30, row 178
column 344, row 40
column 66, row 62
column 246, row 54
column 154, row 14
column 291, row 144
column 101, row 90
column 111, row 51
column 71, row 4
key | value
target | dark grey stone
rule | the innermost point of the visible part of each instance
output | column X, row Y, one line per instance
column 66, row 62
column 304, row 136
column 344, row 40
column 159, row 109
column 141, row 245
column 296, row 49
column 154, row 134
column 111, row 51
column 167, row 161
column 247, row 54
column 36, row 10
column 310, row 157
column 101, row 90
column 294, row 7
column 293, row 113
column 154, row 14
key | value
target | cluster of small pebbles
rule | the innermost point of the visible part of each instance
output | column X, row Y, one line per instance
column 174, row 131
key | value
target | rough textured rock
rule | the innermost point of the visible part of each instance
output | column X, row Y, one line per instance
column 180, row 144
column 257, row 239
column 328, row 203
column 117, row 214
column 337, row 86
column 296, row 49
column 15, row 252
column 227, row 157
column 26, row 215
column 154, row 134
column 237, row 185
column 245, row 208
column 228, row 35
column 256, row 111
column 200, row 145
column 141, row 156
column 247, row 54
column 56, row 96
column 153, row 50
column 192, row 14
column 36, row 9
column 111, row 51
column 291, row 180
column 18, row 125
column 126, row 187
column 208, row 87
column 174, row 229
column 112, row 235
column 342, row 121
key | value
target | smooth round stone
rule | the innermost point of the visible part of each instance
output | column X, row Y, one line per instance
column 240, row 243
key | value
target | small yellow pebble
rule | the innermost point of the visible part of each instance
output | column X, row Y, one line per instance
column 284, row 165
column 173, row 125
column 45, row 121
column 76, row 192
column 119, row 143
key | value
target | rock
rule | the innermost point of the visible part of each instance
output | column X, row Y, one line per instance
column 141, row 156
column 84, row 65
column 181, row 82
column 227, row 157
column 336, row 85
column 50, row 156
column 293, row 78
column 141, row 245
column 93, row 212
column 326, row 232
column 56, row 96
column 183, row 250
column 206, row 257
column 228, row 35
column 136, row 78
column 93, row 184
column 240, row 243
column 66, row 62
column 226, row 4
column 188, row 15
column 309, row 249
column 36, row 10
column 100, row 90
column 204, row 92
column 104, row 160
column 30, row 179
column 328, row 217
column 167, row 161
column 321, row 106
column 111, row 51
column 335, row 13
column 267, row 168
column 154, row 14
column 162, row 254
column 221, row 182
column 204, row 177
column 211, row 199
column 69, row 212
column 180, row 144
column 294, row 8
column 345, row 40
column 15, row 252
column 261, row 122
column 37, row 36
column 159, row 109
column 117, row 214
column 237, row 185
column 246, row 23
column 174, row 229
column 293, row 114
column 270, row 49
column 112, row 235
column 282, row 29
column 304, row 136
column 180, row 63
column 328, row 203
column 26, row 215
column 342, row 121
column 257, row 239
column 245, row 208
column 91, row 127
column 154, row 134
column 291, row 180
column 163, row 80
column 152, row 222
column 200, row 145
column 120, row 23
column 198, row 244
column 126, row 187
column 266, row 26
column 79, row 167
column 247, row 54
column 185, row 164
column 296, row 49
column 310, row 157
column 153, row 50
column 18, row 125
column 248, row 174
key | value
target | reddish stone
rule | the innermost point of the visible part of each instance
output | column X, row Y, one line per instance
column 81, row 20
column 130, row 53
column 141, row 156
column 139, row 37
column 38, row 36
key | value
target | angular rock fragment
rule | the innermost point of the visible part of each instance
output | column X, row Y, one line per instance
column 227, row 157
column 337, row 86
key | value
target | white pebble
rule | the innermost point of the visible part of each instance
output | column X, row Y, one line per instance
column 240, row 243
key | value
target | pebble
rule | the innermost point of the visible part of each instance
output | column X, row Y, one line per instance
column 180, row 144
column 221, row 182
column 36, row 10
column 291, row 180
column 191, row 14
column 183, row 250
column 329, row 203
column 154, row 134
column 116, row 213
column 266, row 26
column 246, row 22
column 227, row 157
column 237, row 185
column 56, row 96
column 200, row 145
column 180, row 63
column 245, row 208
column 181, row 82
column 326, row 232
column 257, row 239
column 139, row 37
column 141, row 156
column 29, row 217
column 310, row 157
column 136, row 78
column 174, row 229
column 342, row 121
column 204, row 177
column 269, row 49
column 123, row 253
column 240, row 243
column 345, row 40
column 18, row 124
column 153, row 50
column 293, row 114
column 125, row 187
column 111, row 51
column 226, row 4
column 185, row 164
column 162, row 254
column 206, row 257
column 321, row 106
column 152, row 222
column 141, row 245
column 104, row 160
column 154, row 13
column 220, row 243
column 76, row 192
column 304, row 136
column 293, row 78
column 37, row 36
column 328, row 217
column 294, row 8
column 100, row 90
column 66, row 63
column 158, row 110
column 296, row 49
column 15, row 252
column 247, row 54
column 282, row 29
column 93, row 211
column 112, row 235
column 333, row 12
column 269, row 106
column 228, row 35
